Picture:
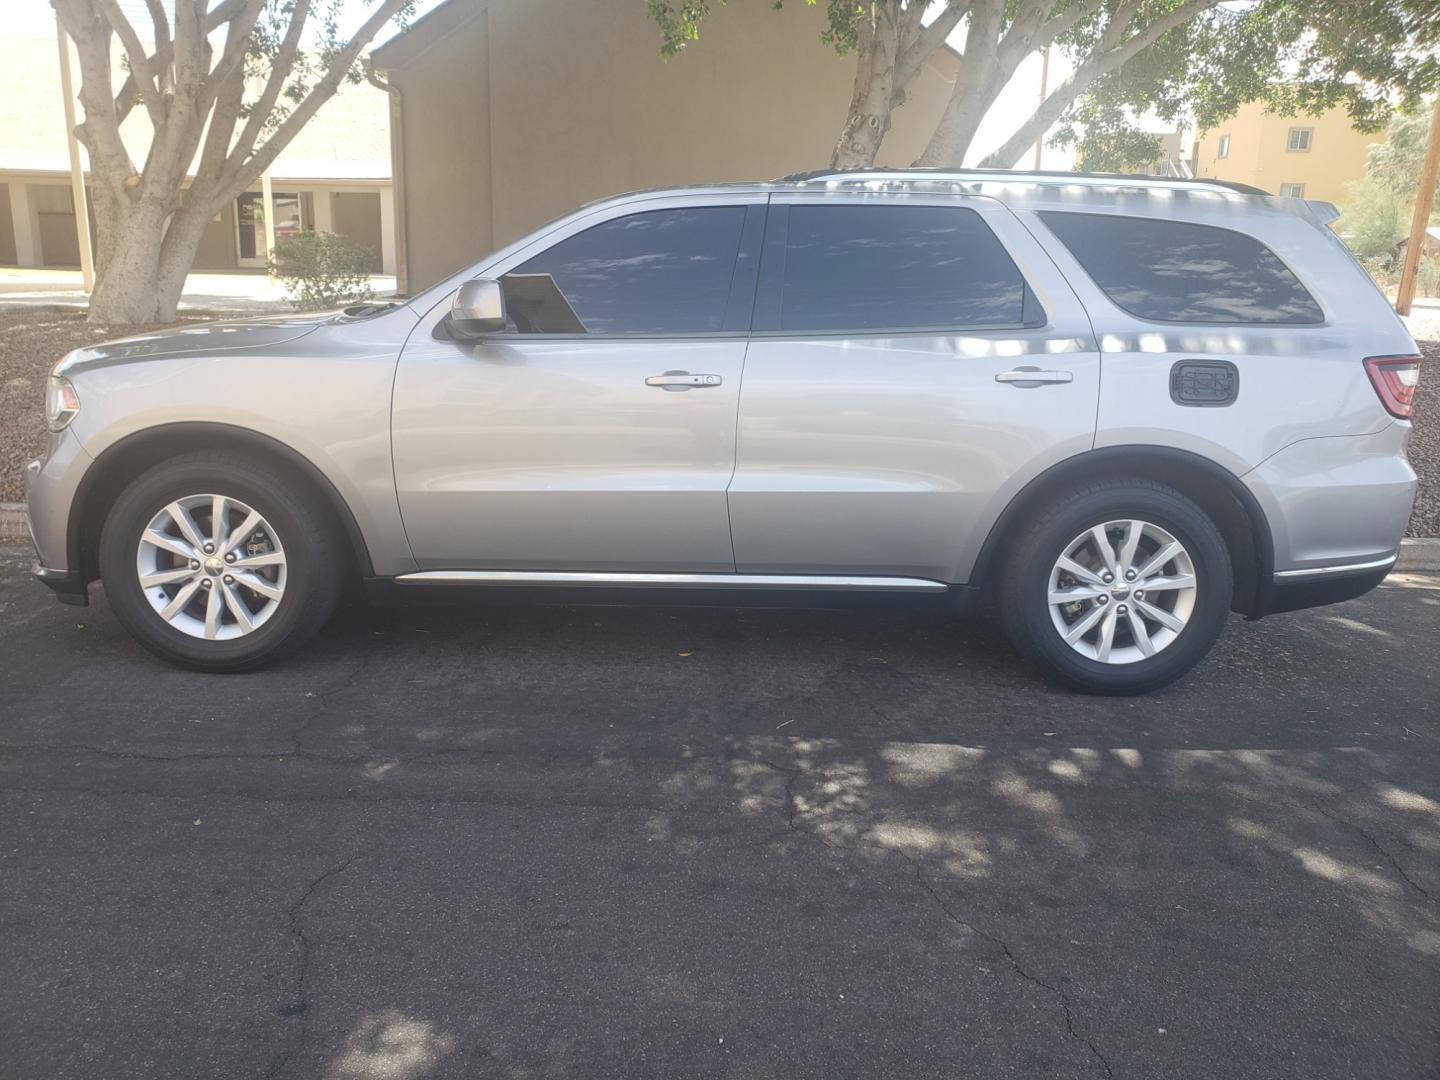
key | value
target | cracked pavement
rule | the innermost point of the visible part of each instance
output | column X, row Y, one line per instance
column 529, row 841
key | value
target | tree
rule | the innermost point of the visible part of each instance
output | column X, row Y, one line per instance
column 1184, row 60
column 236, row 111
column 1370, row 57
column 892, row 43
column 1395, row 164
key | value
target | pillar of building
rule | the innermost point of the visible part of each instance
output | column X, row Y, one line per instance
column 27, row 224
column 387, row 231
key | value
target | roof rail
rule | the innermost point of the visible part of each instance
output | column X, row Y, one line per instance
column 1031, row 175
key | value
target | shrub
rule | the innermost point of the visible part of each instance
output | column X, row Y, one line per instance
column 323, row 270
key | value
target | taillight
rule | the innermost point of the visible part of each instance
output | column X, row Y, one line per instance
column 1395, row 379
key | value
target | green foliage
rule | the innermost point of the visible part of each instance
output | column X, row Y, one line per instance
column 1297, row 56
column 323, row 270
column 1110, row 143
column 679, row 21
column 1396, row 164
column 1373, row 221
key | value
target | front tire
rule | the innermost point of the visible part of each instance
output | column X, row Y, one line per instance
column 1120, row 588
column 219, row 563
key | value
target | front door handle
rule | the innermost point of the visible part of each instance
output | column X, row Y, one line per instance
column 682, row 380
column 1026, row 377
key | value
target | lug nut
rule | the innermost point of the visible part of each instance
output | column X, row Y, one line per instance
column 1129, row 575
column 207, row 582
column 1122, row 609
column 209, row 549
column 229, row 580
column 194, row 564
column 1107, row 578
column 230, row 557
column 1139, row 596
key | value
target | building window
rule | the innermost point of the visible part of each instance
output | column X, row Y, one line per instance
column 1292, row 191
column 1224, row 150
column 1299, row 140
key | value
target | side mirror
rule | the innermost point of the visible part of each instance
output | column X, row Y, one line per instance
column 478, row 309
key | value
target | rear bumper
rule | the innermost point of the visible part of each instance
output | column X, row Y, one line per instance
column 1292, row 590
column 68, row 586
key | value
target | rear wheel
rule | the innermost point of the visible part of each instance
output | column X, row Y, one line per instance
column 219, row 563
column 1120, row 588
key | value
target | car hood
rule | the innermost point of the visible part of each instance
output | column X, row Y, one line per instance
column 195, row 340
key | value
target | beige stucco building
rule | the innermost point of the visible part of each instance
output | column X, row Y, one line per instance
column 508, row 113
column 1315, row 157
column 335, row 175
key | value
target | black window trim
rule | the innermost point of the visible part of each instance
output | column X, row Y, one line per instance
column 1251, row 324
column 765, row 324
column 741, row 277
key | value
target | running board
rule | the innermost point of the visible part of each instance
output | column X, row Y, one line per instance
column 840, row 583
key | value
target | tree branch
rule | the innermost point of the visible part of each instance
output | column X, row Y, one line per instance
column 280, row 69
column 245, row 171
column 141, row 72
column 1097, row 64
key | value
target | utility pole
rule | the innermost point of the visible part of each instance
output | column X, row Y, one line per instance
column 1044, row 78
column 77, row 177
column 1424, row 198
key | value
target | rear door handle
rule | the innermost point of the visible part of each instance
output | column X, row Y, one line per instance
column 682, row 380
column 1026, row 377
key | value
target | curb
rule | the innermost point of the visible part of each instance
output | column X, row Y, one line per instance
column 1419, row 553
column 12, row 522
column 1416, row 553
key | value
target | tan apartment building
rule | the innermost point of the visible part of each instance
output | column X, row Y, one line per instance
column 335, row 175
column 507, row 113
column 1312, row 157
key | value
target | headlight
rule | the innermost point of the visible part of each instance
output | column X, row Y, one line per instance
column 62, row 403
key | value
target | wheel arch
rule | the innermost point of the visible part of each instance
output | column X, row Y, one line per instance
column 1219, row 492
column 119, row 464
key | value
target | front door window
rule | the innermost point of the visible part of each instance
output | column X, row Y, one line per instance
column 250, row 220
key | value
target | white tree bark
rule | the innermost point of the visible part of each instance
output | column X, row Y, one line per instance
column 1105, row 59
column 147, row 234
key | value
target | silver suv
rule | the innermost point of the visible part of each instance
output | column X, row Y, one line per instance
column 1110, row 409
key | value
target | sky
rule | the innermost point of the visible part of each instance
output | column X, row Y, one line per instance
column 35, row 18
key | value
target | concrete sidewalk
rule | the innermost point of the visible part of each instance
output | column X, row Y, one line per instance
column 250, row 292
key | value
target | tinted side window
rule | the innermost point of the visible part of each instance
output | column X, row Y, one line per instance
column 658, row 272
column 851, row 267
column 1172, row 271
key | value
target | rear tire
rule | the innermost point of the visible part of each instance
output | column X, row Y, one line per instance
column 1128, row 623
column 240, row 567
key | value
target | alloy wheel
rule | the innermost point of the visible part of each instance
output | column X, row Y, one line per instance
column 1122, row 591
column 211, row 566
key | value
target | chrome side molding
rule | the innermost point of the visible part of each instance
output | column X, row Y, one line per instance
column 627, row 580
column 1326, row 571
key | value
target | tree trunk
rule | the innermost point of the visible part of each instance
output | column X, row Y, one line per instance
column 870, row 103
column 125, row 290
column 977, row 83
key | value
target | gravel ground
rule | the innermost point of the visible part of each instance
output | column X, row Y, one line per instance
column 31, row 342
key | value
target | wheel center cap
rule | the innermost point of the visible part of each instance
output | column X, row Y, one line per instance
column 214, row 567
column 1120, row 592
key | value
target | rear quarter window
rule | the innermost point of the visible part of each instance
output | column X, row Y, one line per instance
column 1174, row 271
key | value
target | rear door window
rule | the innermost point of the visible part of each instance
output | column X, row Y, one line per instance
column 1174, row 271
column 850, row 267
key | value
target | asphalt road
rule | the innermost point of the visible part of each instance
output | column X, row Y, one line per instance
column 533, row 842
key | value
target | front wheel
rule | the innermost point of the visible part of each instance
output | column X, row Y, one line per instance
column 219, row 563
column 1118, row 589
